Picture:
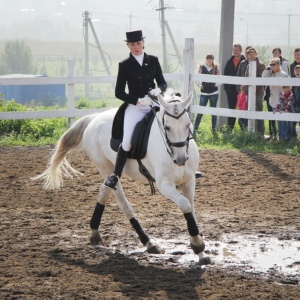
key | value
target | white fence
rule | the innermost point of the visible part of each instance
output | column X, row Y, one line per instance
column 187, row 78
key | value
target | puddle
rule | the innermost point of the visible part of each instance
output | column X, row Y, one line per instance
column 254, row 254
column 257, row 254
column 260, row 254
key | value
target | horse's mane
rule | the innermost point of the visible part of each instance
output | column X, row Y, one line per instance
column 171, row 95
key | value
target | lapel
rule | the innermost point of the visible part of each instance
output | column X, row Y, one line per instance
column 133, row 61
column 146, row 61
column 136, row 66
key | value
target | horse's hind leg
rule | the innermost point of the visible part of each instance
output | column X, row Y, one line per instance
column 126, row 208
column 104, row 195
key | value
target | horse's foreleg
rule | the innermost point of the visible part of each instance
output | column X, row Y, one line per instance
column 186, row 205
column 126, row 208
column 196, row 241
column 104, row 194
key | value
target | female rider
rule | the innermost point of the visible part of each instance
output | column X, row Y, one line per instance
column 138, row 72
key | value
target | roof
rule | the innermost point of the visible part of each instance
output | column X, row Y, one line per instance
column 21, row 76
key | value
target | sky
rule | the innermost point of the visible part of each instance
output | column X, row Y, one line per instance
column 264, row 22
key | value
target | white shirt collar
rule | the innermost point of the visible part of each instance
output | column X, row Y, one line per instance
column 139, row 58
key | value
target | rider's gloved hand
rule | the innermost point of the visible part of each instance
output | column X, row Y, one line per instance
column 155, row 92
column 145, row 101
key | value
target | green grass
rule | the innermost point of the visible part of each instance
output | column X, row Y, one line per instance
column 41, row 132
column 242, row 140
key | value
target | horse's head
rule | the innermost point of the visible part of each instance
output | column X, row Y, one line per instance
column 177, row 124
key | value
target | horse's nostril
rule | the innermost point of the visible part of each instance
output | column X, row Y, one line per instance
column 174, row 161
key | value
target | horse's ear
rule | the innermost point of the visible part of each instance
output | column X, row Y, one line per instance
column 188, row 100
column 161, row 101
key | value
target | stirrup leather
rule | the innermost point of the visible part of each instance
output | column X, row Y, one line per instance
column 111, row 181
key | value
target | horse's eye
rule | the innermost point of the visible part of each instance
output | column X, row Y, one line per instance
column 167, row 128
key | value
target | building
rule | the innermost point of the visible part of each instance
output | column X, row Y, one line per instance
column 45, row 95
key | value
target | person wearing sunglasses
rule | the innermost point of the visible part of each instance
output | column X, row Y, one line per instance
column 274, row 70
column 276, row 52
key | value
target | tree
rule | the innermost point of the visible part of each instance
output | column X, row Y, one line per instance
column 16, row 58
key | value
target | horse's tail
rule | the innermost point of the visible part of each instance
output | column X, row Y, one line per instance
column 58, row 165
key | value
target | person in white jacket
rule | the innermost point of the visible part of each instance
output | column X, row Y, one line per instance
column 274, row 70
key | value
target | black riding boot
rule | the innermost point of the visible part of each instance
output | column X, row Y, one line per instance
column 111, row 180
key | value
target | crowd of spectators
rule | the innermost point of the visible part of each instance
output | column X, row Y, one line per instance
column 279, row 99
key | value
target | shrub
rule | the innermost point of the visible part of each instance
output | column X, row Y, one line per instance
column 11, row 126
column 33, row 129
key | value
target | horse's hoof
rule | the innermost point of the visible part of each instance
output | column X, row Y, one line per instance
column 198, row 248
column 95, row 238
column 154, row 249
column 204, row 259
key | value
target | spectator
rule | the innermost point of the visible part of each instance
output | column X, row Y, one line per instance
column 296, row 62
column 296, row 106
column 260, row 90
column 242, row 104
column 209, row 90
column 242, row 68
column 276, row 52
column 274, row 70
column 231, row 69
column 286, row 101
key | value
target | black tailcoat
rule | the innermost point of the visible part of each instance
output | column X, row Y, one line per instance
column 139, row 80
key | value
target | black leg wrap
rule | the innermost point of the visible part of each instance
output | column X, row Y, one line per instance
column 191, row 223
column 137, row 227
column 97, row 215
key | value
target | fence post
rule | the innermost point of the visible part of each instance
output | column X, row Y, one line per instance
column 188, row 68
column 71, row 90
column 252, row 96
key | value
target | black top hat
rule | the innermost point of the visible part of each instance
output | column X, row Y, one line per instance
column 134, row 36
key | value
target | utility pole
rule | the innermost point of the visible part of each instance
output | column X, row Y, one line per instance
column 174, row 43
column 86, row 15
column 289, row 30
column 86, row 24
column 163, row 34
column 99, row 48
column 130, row 21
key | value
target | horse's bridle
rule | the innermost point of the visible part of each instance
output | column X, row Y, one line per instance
column 178, row 144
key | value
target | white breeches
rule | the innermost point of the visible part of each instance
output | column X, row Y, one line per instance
column 133, row 114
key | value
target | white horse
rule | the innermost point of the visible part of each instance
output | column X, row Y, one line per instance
column 172, row 159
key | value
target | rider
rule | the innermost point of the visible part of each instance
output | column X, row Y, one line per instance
column 138, row 71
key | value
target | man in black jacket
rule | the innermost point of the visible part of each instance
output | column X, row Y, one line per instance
column 231, row 69
column 296, row 52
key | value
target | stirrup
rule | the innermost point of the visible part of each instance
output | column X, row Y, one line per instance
column 198, row 175
column 111, row 181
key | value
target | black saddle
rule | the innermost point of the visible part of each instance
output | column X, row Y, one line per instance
column 139, row 143
column 139, row 138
